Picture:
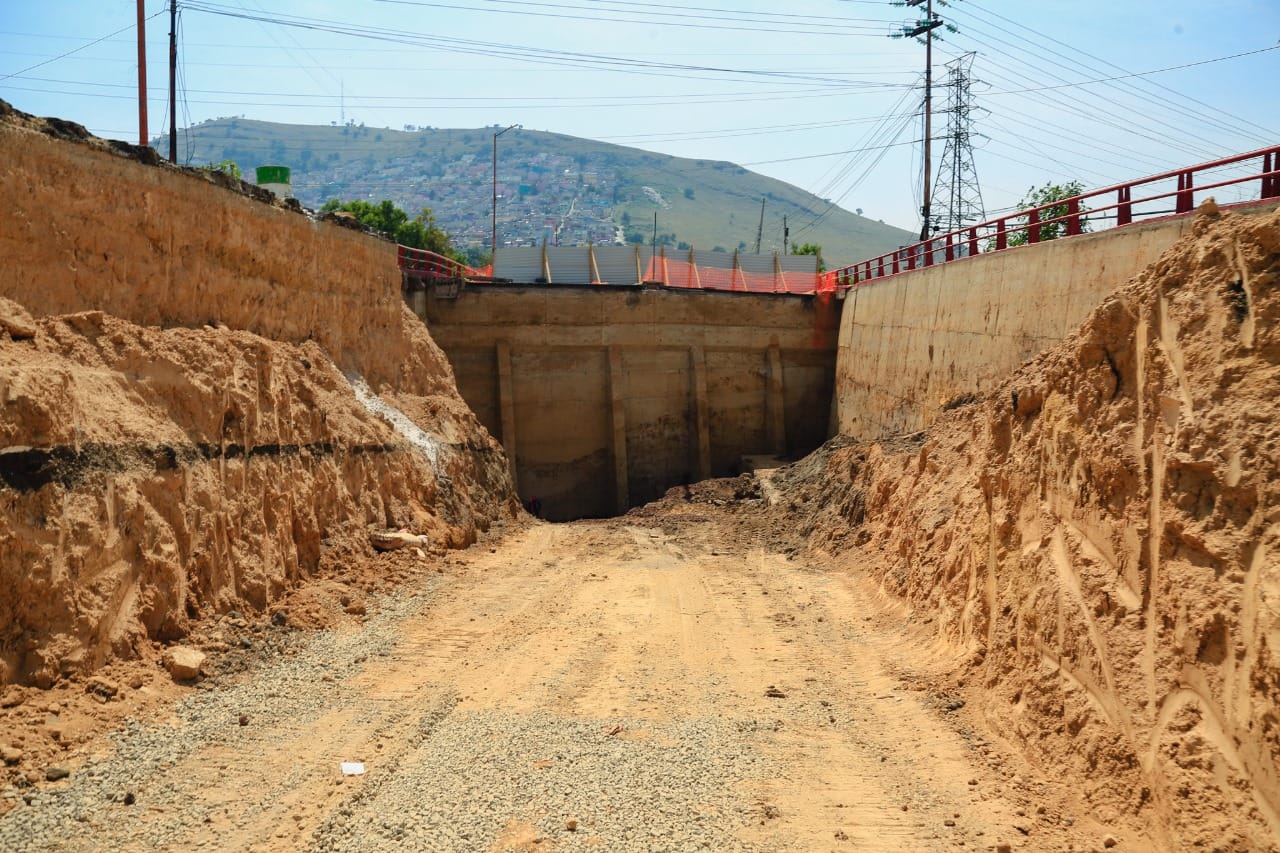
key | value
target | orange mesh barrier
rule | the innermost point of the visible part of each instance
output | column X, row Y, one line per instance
column 682, row 274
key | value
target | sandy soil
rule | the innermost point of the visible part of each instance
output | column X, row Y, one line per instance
column 682, row 611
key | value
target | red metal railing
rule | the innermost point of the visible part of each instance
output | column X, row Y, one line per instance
column 993, row 235
column 420, row 263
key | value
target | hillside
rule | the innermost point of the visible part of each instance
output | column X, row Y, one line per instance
column 550, row 185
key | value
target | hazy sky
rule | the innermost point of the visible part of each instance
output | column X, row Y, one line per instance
column 810, row 91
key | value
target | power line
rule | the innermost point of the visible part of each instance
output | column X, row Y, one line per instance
column 1138, row 73
column 652, row 15
column 1151, row 84
column 76, row 50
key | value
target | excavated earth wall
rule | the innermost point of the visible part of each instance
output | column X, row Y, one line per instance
column 205, row 398
column 1098, row 541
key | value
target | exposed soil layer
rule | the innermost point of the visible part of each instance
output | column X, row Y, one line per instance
column 670, row 680
column 156, row 476
column 1098, row 539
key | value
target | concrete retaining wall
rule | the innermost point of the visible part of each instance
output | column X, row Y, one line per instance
column 911, row 343
column 606, row 397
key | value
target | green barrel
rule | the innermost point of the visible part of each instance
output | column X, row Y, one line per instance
column 273, row 174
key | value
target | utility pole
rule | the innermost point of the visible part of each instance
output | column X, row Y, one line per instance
column 653, row 249
column 760, row 228
column 142, row 73
column 786, row 234
column 928, row 120
column 494, row 250
column 173, row 81
column 957, row 185
column 925, row 27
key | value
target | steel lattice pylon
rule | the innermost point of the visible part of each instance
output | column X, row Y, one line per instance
column 957, row 189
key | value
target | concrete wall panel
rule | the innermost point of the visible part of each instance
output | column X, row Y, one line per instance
column 563, row 440
column 616, row 395
column 913, row 342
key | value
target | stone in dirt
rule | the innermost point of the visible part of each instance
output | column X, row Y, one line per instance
column 53, row 774
column 15, row 320
column 183, row 662
column 392, row 540
column 10, row 754
column 102, row 686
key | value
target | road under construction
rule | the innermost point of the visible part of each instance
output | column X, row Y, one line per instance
column 1006, row 580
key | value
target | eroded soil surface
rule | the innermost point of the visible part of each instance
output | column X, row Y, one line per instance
column 682, row 678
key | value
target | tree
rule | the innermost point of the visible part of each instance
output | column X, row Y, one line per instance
column 226, row 167
column 811, row 249
column 421, row 232
column 1048, row 194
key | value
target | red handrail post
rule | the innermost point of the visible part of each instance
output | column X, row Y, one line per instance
column 951, row 247
column 1073, row 223
column 880, row 266
column 897, row 259
column 1124, row 210
column 1033, row 226
column 1186, row 200
column 928, row 252
column 1002, row 236
column 973, row 241
column 1270, row 182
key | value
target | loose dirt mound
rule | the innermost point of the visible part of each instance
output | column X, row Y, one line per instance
column 1098, row 536
column 154, row 476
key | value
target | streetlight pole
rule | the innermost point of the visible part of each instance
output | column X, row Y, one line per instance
column 494, row 248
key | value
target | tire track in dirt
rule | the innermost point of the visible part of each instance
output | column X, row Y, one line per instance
column 680, row 656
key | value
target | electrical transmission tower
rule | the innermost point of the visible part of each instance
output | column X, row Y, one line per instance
column 957, row 187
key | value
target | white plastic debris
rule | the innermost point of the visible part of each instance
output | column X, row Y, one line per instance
column 352, row 768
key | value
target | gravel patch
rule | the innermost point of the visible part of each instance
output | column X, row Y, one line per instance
column 672, row 787
column 96, row 808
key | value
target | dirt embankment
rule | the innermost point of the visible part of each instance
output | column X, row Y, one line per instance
column 1098, row 538
column 151, row 477
column 246, row 393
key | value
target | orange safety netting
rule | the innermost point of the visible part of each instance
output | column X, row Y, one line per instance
column 682, row 274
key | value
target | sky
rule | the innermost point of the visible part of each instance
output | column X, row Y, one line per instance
column 813, row 92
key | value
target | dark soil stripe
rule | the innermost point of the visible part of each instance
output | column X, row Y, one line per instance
column 28, row 469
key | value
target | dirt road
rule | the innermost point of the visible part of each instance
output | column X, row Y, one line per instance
column 605, row 685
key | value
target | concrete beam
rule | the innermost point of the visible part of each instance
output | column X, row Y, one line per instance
column 506, row 404
column 775, row 412
column 701, row 414
column 618, row 422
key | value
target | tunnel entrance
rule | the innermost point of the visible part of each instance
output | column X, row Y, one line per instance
column 606, row 397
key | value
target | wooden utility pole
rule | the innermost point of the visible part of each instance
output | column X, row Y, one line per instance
column 142, row 73
column 926, row 204
column 173, row 81
column 925, row 28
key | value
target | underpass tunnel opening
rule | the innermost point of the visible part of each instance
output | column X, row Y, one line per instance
column 598, row 458
column 605, row 398
column 553, row 502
